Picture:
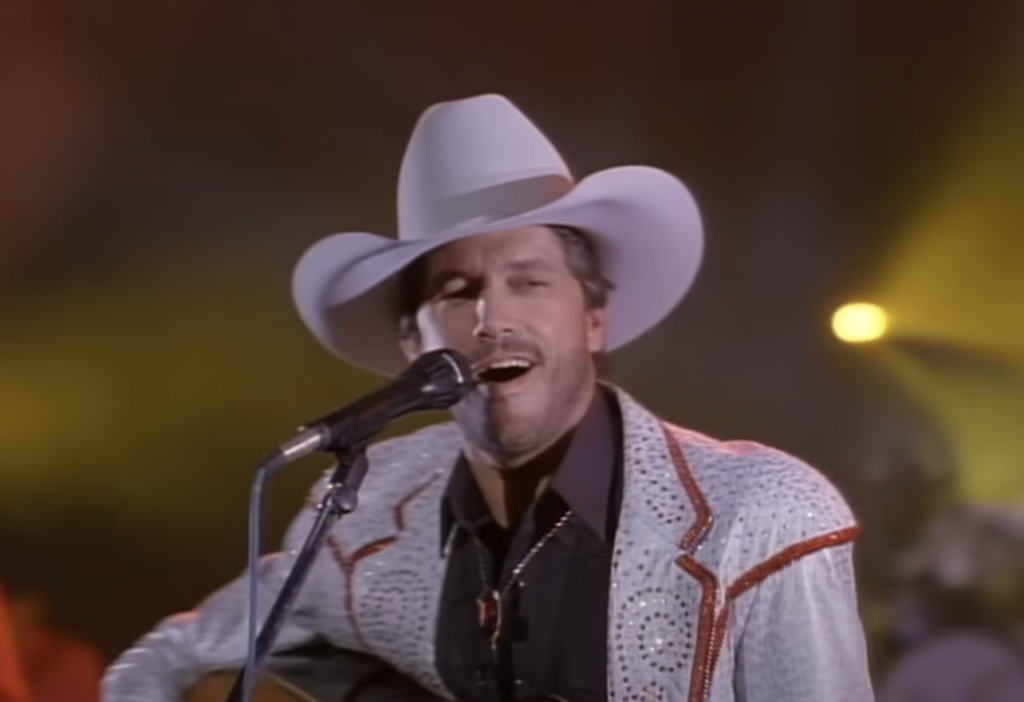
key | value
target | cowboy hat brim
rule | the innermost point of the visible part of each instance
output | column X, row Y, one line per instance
column 643, row 222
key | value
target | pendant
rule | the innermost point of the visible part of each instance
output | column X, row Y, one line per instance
column 488, row 608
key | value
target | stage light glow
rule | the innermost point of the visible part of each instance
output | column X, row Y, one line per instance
column 860, row 322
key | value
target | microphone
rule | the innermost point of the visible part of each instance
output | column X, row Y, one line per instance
column 434, row 381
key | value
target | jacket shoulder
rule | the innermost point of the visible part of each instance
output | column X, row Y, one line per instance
column 400, row 464
column 410, row 450
column 769, row 498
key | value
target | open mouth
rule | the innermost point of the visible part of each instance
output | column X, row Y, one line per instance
column 503, row 370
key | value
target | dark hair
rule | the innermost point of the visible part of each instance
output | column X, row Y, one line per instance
column 585, row 264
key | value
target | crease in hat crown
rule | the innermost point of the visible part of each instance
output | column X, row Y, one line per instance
column 473, row 160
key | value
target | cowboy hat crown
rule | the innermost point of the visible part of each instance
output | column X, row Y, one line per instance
column 473, row 161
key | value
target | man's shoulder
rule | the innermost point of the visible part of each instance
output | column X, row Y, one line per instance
column 762, row 486
column 425, row 445
column 403, row 463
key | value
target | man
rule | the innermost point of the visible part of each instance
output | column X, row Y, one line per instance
column 556, row 541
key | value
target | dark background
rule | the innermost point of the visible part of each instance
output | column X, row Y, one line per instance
column 164, row 164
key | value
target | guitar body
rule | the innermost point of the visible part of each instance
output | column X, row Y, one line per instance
column 317, row 674
column 269, row 688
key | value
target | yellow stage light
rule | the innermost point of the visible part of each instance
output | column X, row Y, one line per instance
column 860, row 322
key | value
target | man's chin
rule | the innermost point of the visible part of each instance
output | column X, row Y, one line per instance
column 509, row 389
column 506, row 421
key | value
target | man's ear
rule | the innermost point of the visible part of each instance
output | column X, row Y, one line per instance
column 597, row 329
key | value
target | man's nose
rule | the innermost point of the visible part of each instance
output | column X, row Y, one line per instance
column 493, row 319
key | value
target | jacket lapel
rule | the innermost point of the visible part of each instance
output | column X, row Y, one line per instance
column 663, row 600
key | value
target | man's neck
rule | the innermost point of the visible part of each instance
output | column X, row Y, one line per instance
column 509, row 492
column 510, row 489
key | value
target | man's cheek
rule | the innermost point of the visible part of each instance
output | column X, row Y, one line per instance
column 448, row 335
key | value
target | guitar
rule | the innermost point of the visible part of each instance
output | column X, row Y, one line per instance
column 317, row 674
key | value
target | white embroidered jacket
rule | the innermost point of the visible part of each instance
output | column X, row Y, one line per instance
column 732, row 578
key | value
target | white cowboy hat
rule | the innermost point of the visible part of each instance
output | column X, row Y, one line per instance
column 478, row 166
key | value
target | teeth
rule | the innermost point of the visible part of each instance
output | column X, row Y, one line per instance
column 509, row 363
column 505, row 363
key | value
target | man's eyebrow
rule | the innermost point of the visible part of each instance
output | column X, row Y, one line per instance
column 525, row 265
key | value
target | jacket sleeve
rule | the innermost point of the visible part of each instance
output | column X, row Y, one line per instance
column 803, row 640
column 180, row 650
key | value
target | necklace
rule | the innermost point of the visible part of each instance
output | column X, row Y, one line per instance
column 489, row 603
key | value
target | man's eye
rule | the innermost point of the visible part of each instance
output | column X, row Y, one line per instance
column 456, row 295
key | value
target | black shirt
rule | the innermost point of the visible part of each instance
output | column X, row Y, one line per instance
column 553, row 635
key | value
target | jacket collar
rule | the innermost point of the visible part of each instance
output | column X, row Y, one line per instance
column 655, row 467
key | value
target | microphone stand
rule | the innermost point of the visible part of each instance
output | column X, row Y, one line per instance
column 340, row 498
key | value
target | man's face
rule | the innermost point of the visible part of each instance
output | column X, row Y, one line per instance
column 510, row 303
